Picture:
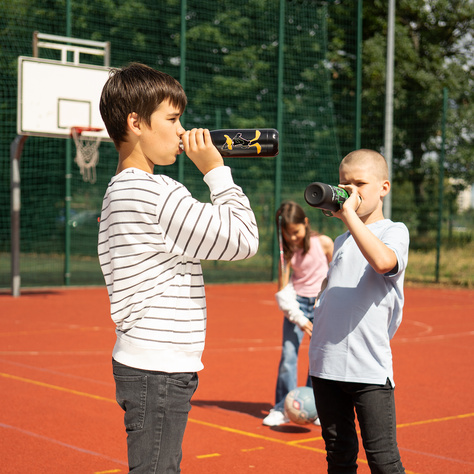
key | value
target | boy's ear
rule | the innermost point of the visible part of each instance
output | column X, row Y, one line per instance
column 385, row 188
column 133, row 122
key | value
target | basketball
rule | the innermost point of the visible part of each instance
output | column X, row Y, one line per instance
column 300, row 406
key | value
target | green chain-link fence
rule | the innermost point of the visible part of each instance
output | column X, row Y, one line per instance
column 250, row 64
column 229, row 58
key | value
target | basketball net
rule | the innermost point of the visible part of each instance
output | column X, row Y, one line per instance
column 87, row 151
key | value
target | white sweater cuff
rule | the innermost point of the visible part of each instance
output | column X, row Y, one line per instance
column 219, row 177
column 300, row 319
column 286, row 300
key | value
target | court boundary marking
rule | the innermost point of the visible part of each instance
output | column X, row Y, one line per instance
column 295, row 443
column 63, row 444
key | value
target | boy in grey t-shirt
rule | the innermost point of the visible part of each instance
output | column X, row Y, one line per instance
column 358, row 312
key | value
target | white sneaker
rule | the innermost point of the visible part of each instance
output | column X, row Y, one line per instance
column 275, row 418
column 317, row 422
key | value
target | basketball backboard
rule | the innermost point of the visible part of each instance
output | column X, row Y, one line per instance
column 53, row 97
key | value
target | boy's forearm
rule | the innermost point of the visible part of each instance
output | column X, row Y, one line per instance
column 324, row 284
column 381, row 258
column 235, row 214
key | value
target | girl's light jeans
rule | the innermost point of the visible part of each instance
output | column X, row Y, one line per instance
column 287, row 379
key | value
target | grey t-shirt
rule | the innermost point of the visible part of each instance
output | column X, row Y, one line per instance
column 359, row 311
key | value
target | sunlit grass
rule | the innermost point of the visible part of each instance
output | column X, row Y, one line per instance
column 456, row 268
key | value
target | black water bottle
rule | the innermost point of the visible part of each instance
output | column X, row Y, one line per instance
column 326, row 197
column 246, row 142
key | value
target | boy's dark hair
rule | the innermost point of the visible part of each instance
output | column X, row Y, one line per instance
column 140, row 89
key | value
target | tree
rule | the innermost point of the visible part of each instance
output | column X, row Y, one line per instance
column 433, row 50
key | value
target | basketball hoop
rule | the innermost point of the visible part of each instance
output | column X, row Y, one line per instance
column 87, row 151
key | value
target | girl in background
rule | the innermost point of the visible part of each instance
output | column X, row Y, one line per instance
column 308, row 254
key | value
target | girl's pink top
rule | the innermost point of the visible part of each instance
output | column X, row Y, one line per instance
column 309, row 270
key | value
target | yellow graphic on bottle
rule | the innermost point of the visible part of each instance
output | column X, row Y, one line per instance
column 240, row 142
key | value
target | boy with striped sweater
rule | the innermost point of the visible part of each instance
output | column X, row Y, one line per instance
column 152, row 236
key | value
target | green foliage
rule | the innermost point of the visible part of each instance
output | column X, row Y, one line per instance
column 232, row 81
column 433, row 50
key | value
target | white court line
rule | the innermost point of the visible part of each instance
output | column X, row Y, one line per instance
column 428, row 329
column 37, row 353
column 59, row 372
column 60, row 443
column 244, row 349
column 436, row 456
column 435, row 337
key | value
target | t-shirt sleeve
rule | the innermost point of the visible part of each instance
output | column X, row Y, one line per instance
column 397, row 238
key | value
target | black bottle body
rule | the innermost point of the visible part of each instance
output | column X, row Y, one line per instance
column 246, row 142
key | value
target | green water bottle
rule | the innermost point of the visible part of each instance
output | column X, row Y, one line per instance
column 326, row 197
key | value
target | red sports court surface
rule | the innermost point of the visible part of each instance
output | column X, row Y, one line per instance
column 58, row 413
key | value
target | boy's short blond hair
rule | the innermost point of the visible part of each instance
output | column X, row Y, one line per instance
column 370, row 157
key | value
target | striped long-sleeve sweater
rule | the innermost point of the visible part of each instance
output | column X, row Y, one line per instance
column 152, row 236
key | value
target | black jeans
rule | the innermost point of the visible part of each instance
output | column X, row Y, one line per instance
column 375, row 408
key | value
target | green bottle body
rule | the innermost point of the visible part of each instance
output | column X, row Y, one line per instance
column 326, row 197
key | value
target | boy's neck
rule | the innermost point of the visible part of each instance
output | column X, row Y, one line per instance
column 131, row 159
column 372, row 218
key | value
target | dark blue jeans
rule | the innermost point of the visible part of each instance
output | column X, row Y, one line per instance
column 156, row 406
column 375, row 408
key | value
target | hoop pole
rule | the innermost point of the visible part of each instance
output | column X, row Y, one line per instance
column 16, row 149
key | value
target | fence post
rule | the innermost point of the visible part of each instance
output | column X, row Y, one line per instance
column 278, row 161
column 358, row 98
column 388, row 136
column 67, row 213
column 182, row 79
column 441, row 181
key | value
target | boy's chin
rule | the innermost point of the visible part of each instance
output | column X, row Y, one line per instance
column 167, row 161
